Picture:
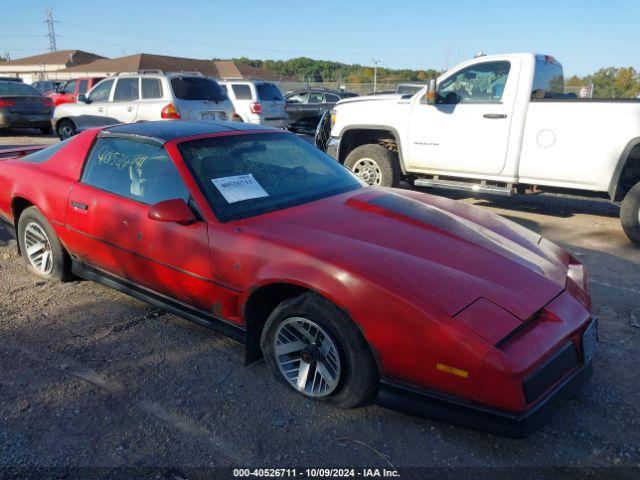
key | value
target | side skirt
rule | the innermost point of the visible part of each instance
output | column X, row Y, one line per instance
column 156, row 299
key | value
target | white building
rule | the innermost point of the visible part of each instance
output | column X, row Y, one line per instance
column 47, row 66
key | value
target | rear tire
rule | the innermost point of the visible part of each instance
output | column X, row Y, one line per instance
column 375, row 165
column 40, row 247
column 66, row 129
column 630, row 214
column 321, row 343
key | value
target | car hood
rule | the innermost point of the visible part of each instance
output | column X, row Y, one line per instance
column 372, row 98
column 434, row 249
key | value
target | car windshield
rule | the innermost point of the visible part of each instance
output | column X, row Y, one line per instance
column 197, row 88
column 17, row 89
column 269, row 92
column 247, row 175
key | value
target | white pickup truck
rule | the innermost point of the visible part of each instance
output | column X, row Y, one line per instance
column 496, row 124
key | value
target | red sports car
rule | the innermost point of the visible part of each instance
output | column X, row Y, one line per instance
column 348, row 292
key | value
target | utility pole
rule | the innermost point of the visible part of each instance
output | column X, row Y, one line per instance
column 375, row 74
column 48, row 19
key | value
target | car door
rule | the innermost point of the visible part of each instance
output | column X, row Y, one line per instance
column 313, row 110
column 93, row 113
column 468, row 128
column 68, row 92
column 295, row 105
column 108, row 218
column 124, row 106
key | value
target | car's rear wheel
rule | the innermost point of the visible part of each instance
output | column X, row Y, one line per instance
column 66, row 129
column 40, row 247
column 313, row 347
column 375, row 165
column 630, row 214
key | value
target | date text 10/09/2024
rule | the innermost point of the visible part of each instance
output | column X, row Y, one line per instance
column 316, row 473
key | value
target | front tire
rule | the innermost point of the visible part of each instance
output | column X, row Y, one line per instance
column 40, row 247
column 66, row 129
column 313, row 347
column 630, row 214
column 375, row 165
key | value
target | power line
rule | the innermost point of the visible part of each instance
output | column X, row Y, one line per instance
column 48, row 19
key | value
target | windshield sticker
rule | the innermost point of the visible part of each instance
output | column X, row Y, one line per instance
column 239, row 187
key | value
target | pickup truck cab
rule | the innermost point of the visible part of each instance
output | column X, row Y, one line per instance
column 497, row 124
column 68, row 91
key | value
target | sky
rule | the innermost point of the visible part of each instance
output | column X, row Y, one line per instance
column 584, row 35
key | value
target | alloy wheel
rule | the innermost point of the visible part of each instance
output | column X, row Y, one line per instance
column 307, row 357
column 38, row 248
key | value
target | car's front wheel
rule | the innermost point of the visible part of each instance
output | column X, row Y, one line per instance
column 313, row 347
column 375, row 165
column 66, row 129
column 40, row 247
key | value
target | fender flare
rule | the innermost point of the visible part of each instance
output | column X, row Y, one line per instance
column 622, row 162
column 387, row 128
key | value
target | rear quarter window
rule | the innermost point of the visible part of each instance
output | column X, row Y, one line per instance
column 45, row 154
column 242, row 91
column 151, row 88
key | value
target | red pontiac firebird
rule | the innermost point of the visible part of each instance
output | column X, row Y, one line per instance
column 434, row 307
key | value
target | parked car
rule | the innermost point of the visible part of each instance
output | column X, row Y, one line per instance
column 139, row 97
column 11, row 79
column 23, row 106
column 257, row 102
column 501, row 125
column 305, row 107
column 439, row 307
column 409, row 88
column 46, row 86
column 68, row 91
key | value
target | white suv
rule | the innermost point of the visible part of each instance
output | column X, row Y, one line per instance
column 144, row 96
column 257, row 102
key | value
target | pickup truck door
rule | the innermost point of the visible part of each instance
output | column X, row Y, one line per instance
column 467, row 131
column 108, row 222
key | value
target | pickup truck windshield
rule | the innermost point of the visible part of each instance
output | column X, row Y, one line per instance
column 247, row 175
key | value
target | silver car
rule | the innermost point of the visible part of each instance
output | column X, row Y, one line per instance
column 23, row 106
column 145, row 96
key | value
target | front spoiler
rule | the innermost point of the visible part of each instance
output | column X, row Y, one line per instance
column 496, row 422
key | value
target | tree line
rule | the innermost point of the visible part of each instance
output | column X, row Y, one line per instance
column 610, row 82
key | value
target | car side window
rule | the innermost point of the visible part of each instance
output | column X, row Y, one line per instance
column 141, row 171
column 101, row 92
column 316, row 97
column 242, row 91
column 151, row 88
column 298, row 97
column 69, row 87
column 480, row 83
column 126, row 90
column 331, row 98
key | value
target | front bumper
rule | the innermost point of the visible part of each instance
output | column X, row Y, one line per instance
column 333, row 147
column 458, row 412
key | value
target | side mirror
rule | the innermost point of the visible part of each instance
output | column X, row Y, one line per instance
column 176, row 211
column 83, row 98
column 430, row 96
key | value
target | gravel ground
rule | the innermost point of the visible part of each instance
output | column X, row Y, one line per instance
column 90, row 377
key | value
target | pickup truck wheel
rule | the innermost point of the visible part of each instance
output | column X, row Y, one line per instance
column 375, row 165
column 66, row 129
column 630, row 214
column 313, row 347
column 40, row 247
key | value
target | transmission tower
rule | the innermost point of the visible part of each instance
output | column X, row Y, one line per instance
column 48, row 19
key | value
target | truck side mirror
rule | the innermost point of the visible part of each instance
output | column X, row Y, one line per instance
column 83, row 98
column 430, row 96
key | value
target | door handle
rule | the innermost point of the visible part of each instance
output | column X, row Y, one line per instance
column 129, row 109
column 79, row 206
column 495, row 116
column 101, row 109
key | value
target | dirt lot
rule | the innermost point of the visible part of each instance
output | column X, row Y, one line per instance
column 90, row 377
